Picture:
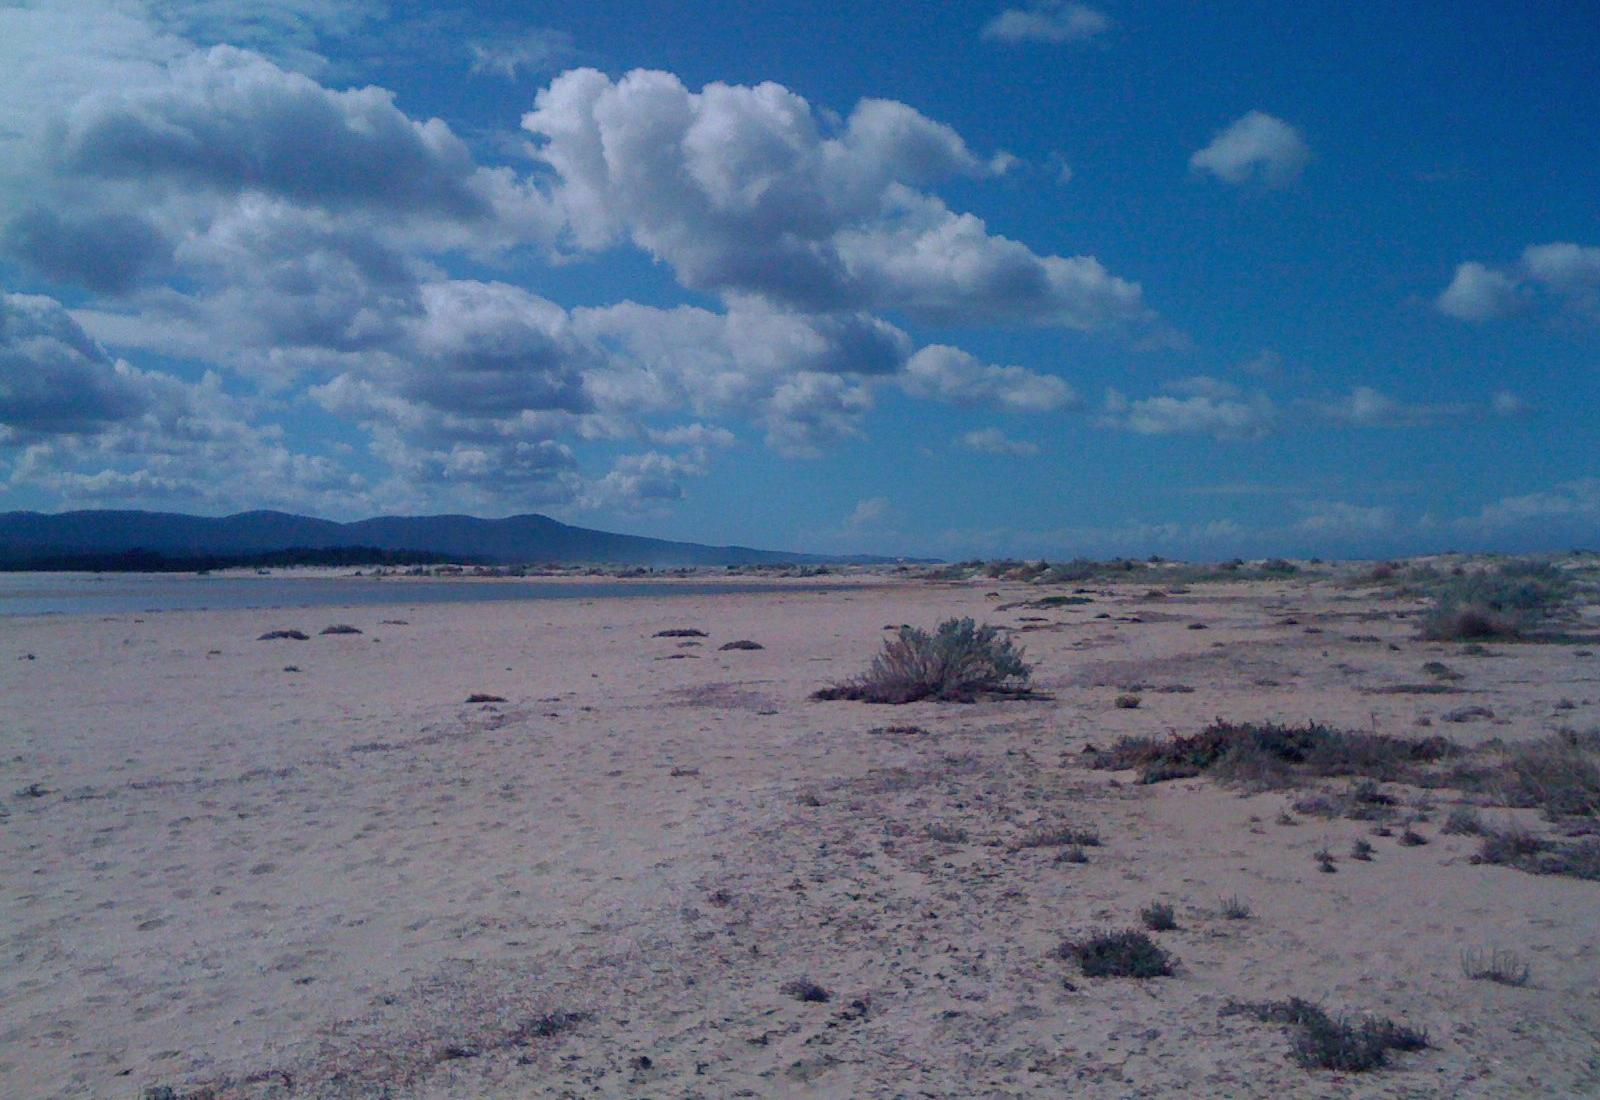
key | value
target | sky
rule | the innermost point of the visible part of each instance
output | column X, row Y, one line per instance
column 1044, row 279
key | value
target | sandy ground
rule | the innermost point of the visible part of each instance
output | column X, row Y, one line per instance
column 309, row 869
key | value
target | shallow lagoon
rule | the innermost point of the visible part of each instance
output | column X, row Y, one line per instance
column 121, row 593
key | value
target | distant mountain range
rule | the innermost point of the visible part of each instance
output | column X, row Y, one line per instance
column 35, row 538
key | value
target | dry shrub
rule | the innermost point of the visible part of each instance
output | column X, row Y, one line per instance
column 1560, row 774
column 1501, row 967
column 1159, row 917
column 1338, row 1043
column 1502, row 601
column 959, row 662
column 1125, row 954
column 1271, row 755
column 1521, row 849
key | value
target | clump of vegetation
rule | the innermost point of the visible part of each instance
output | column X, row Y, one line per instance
column 1128, row 701
column 1519, row 848
column 1159, row 917
column 803, row 989
column 341, row 628
column 1060, row 836
column 742, row 643
column 1513, row 846
column 1502, row 967
column 1125, row 954
column 1116, row 570
column 947, row 834
column 959, row 662
column 689, row 632
column 290, row 635
column 1046, row 602
column 1502, row 601
column 549, row 1025
column 1233, row 907
column 1364, row 801
column 485, row 697
column 1271, row 755
column 1559, row 774
column 1337, row 1043
column 1411, row 838
column 1072, row 854
column 1361, row 849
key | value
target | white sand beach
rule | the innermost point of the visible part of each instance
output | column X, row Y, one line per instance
column 249, row 869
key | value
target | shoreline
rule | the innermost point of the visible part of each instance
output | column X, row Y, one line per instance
column 85, row 587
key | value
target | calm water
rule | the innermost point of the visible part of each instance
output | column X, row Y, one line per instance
column 113, row 593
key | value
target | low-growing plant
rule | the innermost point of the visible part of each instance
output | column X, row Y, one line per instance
column 1060, row 836
column 804, row 989
column 1511, row 846
column 1521, row 849
column 1503, row 967
column 959, row 662
column 947, row 834
column 1271, row 755
column 1159, row 917
column 1340, row 1043
column 1369, row 793
column 1560, row 774
column 549, row 1025
column 1124, row 954
column 1361, row 849
column 1320, row 804
column 1462, row 821
column 1233, row 907
column 1501, row 601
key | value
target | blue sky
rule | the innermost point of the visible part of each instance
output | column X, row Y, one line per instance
column 1039, row 279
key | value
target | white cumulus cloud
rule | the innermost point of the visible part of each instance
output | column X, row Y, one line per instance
column 996, row 442
column 1560, row 272
column 1195, row 406
column 949, row 374
column 1049, row 21
column 1478, row 293
column 1255, row 147
column 747, row 191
